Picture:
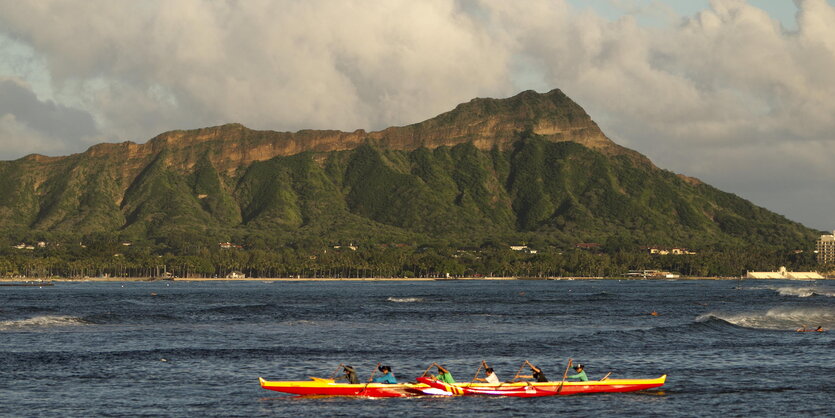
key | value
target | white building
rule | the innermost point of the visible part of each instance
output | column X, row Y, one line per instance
column 825, row 247
column 783, row 274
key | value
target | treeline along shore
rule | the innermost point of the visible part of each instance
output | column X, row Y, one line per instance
column 383, row 262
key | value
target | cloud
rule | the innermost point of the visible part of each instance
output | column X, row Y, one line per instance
column 267, row 64
column 727, row 94
column 29, row 125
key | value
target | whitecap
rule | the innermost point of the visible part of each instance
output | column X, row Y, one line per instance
column 780, row 318
column 404, row 300
column 41, row 322
column 801, row 292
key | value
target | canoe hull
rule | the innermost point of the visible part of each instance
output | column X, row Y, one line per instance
column 536, row 389
column 326, row 387
column 432, row 387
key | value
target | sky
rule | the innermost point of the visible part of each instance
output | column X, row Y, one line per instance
column 740, row 94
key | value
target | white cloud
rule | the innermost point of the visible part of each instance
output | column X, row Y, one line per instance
column 267, row 64
column 727, row 94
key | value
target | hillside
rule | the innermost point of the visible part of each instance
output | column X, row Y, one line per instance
column 533, row 167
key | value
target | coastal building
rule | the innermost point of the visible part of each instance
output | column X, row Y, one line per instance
column 825, row 249
column 783, row 274
column 653, row 274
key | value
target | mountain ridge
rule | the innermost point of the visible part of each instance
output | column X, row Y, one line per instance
column 532, row 166
column 475, row 121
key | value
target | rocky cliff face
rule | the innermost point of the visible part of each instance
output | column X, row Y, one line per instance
column 487, row 123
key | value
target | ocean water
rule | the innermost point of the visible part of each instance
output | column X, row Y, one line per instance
column 197, row 348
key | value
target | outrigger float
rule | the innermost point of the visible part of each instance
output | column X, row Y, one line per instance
column 428, row 385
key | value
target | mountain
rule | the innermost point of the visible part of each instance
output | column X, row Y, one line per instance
column 533, row 167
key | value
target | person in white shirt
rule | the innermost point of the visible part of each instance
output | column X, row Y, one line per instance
column 490, row 377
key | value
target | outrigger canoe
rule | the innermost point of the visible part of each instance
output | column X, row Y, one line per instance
column 329, row 387
column 533, row 389
column 432, row 387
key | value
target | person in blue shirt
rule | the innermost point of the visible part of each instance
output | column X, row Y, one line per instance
column 581, row 374
column 387, row 376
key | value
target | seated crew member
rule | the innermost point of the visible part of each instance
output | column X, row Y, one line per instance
column 351, row 375
column 387, row 376
column 581, row 374
column 489, row 377
column 537, row 374
column 444, row 375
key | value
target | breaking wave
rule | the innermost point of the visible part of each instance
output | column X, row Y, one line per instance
column 782, row 318
column 404, row 300
column 45, row 321
column 801, row 292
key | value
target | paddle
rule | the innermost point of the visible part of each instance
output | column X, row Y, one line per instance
column 427, row 369
column 333, row 376
column 484, row 365
column 564, row 375
column 606, row 377
column 524, row 363
column 370, row 378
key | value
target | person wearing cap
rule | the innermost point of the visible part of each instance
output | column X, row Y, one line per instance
column 444, row 375
column 581, row 374
column 351, row 375
column 490, row 377
column 387, row 376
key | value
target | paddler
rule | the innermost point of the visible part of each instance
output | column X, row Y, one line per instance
column 537, row 374
column 444, row 375
column 489, row 377
column 581, row 374
column 387, row 376
column 351, row 375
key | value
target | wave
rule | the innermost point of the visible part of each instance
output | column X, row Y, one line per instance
column 44, row 321
column 781, row 318
column 404, row 300
column 801, row 292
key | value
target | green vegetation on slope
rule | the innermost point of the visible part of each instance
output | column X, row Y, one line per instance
column 557, row 193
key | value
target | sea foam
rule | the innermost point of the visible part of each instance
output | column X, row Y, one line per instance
column 41, row 322
column 404, row 300
column 781, row 318
column 801, row 292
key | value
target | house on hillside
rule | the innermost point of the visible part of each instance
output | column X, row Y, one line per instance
column 523, row 248
column 350, row 246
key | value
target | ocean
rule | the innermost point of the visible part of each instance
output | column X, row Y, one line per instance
column 729, row 348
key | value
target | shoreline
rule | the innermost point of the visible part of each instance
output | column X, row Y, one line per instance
column 352, row 279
